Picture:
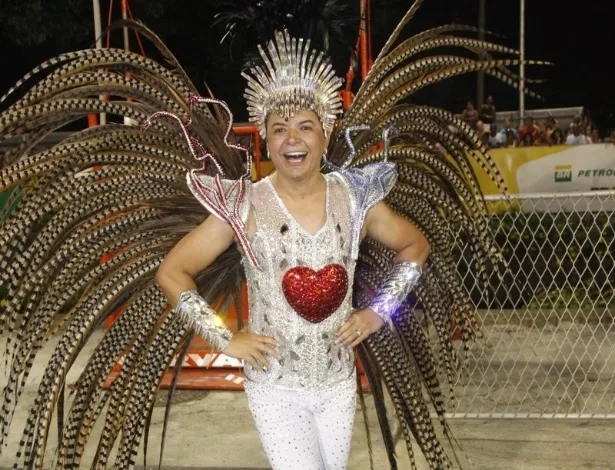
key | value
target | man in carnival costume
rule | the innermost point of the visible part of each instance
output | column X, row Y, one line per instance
column 329, row 256
column 301, row 231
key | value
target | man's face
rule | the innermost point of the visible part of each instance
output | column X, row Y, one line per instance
column 296, row 145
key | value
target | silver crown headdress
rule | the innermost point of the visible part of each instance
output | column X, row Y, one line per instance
column 296, row 79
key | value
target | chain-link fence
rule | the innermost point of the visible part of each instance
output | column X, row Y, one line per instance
column 548, row 346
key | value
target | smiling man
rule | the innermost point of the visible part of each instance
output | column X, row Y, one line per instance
column 298, row 347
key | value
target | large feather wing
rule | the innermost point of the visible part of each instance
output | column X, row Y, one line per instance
column 436, row 155
column 118, row 190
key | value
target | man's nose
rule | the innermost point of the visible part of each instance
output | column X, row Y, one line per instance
column 292, row 135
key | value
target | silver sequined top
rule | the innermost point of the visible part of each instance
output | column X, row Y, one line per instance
column 310, row 358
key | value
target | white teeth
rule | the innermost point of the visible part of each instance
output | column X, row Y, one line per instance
column 295, row 154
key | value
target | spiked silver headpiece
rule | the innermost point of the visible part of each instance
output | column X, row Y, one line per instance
column 296, row 78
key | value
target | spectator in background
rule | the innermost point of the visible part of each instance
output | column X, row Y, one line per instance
column 557, row 136
column 483, row 133
column 529, row 133
column 493, row 137
column 576, row 121
column 587, row 126
column 512, row 138
column 470, row 115
column 541, row 138
column 576, row 137
column 528, row 140
column 487, row 112
column 553, row 133
column 503, row 134
column 594, row 136
column 480, row 128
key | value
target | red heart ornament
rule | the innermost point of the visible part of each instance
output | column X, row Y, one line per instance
column 315, row 295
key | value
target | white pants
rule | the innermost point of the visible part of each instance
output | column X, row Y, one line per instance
column 304, row 430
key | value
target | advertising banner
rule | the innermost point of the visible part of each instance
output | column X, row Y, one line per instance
column 556, row 169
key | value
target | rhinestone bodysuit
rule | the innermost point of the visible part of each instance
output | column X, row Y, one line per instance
column 310, row 358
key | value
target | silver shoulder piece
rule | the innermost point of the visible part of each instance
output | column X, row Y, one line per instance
column 229, row 200
column 367, row 187
column 221, row 197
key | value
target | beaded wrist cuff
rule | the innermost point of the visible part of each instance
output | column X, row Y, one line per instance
column 193, row 309
column 402, row 278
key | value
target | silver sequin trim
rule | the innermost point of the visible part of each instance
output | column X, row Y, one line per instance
column 402, row 278
column 197, row 313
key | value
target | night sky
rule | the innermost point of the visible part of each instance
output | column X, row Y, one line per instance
column 578, row 39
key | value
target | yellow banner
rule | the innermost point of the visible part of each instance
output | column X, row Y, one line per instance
column 557, row 169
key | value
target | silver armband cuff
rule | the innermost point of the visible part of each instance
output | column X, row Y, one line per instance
column 197, row 313
column 398, row 285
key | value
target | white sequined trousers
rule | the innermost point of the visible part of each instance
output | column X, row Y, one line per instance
column 304, row 430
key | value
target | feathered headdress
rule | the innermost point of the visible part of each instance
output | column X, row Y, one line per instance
column 294, row 77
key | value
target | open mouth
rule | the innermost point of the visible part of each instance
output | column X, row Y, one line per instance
column 295, row 157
